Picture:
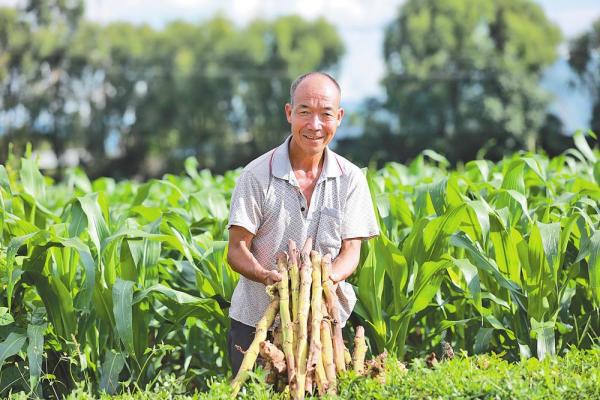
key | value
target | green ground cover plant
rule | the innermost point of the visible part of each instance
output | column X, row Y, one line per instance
column 576, row 375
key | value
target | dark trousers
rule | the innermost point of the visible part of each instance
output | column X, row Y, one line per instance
column 241, row 335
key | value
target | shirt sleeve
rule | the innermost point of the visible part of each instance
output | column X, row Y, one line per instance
column 246, row 200
column 359, row 216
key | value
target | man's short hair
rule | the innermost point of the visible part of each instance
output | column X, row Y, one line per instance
column 302, row 77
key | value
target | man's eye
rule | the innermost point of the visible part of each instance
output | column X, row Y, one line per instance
column 304, row 112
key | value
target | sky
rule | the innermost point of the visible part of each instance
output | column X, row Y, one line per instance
column 359, row 22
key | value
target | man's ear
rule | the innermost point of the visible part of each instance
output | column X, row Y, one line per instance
column 288, row 112
column 340, row 116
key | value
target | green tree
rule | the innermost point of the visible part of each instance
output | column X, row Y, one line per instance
column 35, row 85
column 125, row 82
column 213, row 90
column 275, row 53
column 464, row 75
column 584, row 58
column 141, row 100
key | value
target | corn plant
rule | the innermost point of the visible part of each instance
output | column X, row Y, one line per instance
column 106, row 281
column 502, row 256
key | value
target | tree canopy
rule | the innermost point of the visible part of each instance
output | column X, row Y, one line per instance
column 129, row 94
column 462, row 75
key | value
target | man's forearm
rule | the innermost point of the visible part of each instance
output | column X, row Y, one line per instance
column 342, row 267
column 243, row 262
column 347, row 260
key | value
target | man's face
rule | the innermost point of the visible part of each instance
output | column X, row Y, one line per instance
column 315, row 114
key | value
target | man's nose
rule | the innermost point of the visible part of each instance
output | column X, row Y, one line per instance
column 315, row 122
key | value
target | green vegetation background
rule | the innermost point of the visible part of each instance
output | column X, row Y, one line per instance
column 462, row 78
column 124, row 285
column 111, row 285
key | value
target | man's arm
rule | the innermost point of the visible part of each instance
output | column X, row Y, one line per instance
column 347, row 260
column 243, row 262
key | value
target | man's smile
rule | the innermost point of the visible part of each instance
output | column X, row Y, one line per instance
column 310, row 137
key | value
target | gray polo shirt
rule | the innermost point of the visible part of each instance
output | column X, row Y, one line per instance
column 267, row 201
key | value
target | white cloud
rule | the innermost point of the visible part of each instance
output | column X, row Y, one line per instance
column 344, row 13
column 362, row 66
column 573, row 17
column 575, row 21
column 10, row 3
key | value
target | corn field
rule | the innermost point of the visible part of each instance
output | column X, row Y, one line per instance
column 120, row 285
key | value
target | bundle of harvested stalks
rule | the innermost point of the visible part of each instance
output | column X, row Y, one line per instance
column 260, row 336
column 308, row 350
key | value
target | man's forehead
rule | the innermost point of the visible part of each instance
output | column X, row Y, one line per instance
column 317, row 87
column 307, row 105
column 317, row 98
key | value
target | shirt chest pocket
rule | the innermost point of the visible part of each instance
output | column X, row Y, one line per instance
column 329, row 236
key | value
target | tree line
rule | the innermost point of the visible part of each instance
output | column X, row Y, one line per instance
column 462, row 77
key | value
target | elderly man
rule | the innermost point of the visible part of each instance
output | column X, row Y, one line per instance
column 298, row 190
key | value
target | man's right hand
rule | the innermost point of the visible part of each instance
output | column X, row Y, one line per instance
column 271, row 277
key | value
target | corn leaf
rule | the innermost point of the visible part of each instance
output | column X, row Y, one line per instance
column 427, row 283
column 471, row 276
column 437, row 231
column 4, row 180
column 482, row 340
column 594, row 266
column 11, row 346
column 550, row 235
column 122, row 294
column 5, row 317
column 583, row 146
column 544, row 334
column 32, row 180
column 13, row 246
column 483, row 263
column 83, row 299
column 35, row 348
column 370, row 289
column 111, row 367
column 97, row 226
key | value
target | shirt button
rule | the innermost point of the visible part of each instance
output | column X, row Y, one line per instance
column 302, row 209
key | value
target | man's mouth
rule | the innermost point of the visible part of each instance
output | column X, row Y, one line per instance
column 309, row 137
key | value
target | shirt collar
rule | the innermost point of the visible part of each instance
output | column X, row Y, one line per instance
column 281, row 167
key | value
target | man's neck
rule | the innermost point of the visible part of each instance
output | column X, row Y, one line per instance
column 305, row 162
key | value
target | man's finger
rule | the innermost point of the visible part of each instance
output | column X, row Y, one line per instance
column 275, row 276
column 334, row 278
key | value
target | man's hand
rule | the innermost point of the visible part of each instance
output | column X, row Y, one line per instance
column 271, row 277
column 333, row 277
